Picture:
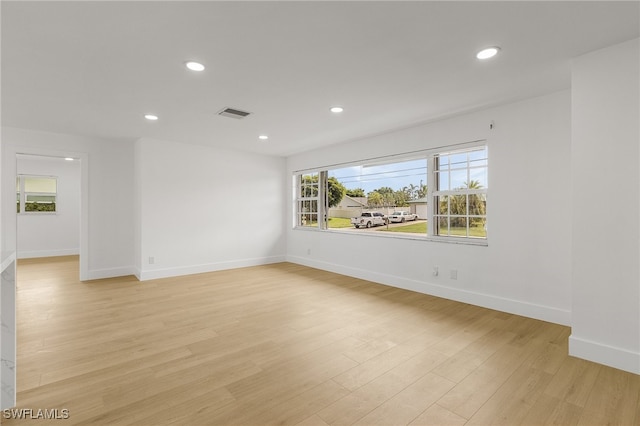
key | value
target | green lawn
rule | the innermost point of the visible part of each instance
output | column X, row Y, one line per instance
column 421, row 228
column 414, row 228
column 339, row 222
column 334, row 223
column 473, row 232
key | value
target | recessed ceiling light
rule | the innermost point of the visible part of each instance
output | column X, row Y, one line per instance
column 69, row 159
column 151, row 117
column 487, row 53
column 194, row 66
column 263, row 137
column 337, row 109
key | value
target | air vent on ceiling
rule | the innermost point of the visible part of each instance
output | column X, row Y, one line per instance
column 233, row 113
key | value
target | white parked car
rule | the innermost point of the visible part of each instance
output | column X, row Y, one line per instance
column 402, row 217
column 369, row 219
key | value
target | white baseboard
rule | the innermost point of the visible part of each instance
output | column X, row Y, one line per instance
column 619, row 358
column 144, row 275
column 530, row 310
column 99, row 274
column 30, row 254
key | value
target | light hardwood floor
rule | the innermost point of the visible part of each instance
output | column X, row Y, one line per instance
column 286, row 344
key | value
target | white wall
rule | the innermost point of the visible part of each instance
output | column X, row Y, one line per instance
column 137, row 209
column 606, row 206
column 106, row 192
column 7, row 307
column 525, row 268
column 41, row 235
column 181, row 224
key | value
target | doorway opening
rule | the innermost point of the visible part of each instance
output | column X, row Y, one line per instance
column 48, row 206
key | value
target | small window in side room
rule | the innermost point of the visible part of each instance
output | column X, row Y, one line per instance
column 36, row 194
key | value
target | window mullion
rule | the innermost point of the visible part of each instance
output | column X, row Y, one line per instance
column 323, row 199
column 432, row 185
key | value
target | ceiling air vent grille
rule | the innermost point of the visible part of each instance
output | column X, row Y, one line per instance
column 233, row 113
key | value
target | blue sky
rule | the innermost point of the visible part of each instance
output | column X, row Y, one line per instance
column 404, row 173
column 395, row 175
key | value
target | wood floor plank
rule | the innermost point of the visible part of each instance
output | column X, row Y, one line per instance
column 474, row 390
column 574, row 381
column 365, row 399
column 294, row 410
column 288, row 344
column 436, row 415
column 616, row 404
column 380, row 364
column 511, row 403
column 407, row 405
column 460, row 364
column 314, row 420
column 174, row 406
column 94, row 382
column 548, row 410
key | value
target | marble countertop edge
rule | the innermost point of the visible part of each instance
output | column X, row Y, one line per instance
column 7, row 258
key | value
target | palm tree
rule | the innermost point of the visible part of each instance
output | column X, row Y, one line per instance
column 477, row 204
column 473, row 184
column 464, row 205
column 421, row 192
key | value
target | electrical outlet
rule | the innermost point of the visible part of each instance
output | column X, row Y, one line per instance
column 152, row 260
column 435, row 271
column 453, row 274
column 308, row 251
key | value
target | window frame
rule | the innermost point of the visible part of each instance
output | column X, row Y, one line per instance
column 432, row 174
column 434, row 214
column 320, row 198
column 22, row 195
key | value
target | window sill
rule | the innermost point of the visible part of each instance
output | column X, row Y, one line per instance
column 379, row 233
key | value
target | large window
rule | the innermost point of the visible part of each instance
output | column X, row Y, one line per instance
column 439, row 194
column 36, row 194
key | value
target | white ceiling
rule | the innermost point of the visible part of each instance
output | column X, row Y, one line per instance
column 95, row 68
